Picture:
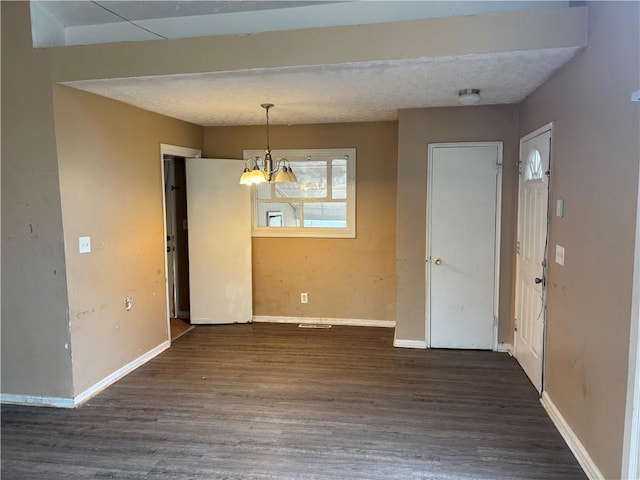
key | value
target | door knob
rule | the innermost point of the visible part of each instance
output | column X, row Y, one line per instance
column 437, row 260
column 538, row 280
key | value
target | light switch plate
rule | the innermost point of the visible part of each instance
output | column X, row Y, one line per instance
column 560, row 208
column 84, row 244
column 559, row 255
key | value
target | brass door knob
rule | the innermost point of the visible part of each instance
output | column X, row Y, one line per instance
column 437, row 260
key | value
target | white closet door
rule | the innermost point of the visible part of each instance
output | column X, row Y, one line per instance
column 219, row 216
column 463, row 211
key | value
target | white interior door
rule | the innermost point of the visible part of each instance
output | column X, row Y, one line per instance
column 463, row 239
column 533, row 198
column 219, row 213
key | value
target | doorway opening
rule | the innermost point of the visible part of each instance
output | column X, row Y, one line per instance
column 177, row 244
column 176, row 238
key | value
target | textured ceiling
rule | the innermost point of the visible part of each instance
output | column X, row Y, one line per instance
column 372, row 91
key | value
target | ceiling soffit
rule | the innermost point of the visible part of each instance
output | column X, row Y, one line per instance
column 339, row 74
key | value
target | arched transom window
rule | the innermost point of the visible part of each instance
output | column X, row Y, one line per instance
column 533, row 170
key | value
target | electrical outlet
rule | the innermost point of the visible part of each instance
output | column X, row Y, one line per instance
column 84, row 244
column 304, row 298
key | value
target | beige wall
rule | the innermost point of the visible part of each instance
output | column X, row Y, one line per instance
column 345, row 278
column 34, row 293
column 595, row 170
column 418, row 128
column 111, row 184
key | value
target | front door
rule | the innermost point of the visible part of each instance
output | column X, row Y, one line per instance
column 464, row 183
column 531, row 253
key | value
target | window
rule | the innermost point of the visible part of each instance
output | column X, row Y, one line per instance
column 322, row 203
column 533, row 170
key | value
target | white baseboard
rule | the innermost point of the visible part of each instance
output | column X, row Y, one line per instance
column 504, row 348
column 576, row 447
column 118, row 374
column 62, row 402
column 37, row 401
column 352, row 322
column 409, row 343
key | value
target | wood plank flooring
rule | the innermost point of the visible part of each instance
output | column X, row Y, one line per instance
column 178, row 327
column 268, row 401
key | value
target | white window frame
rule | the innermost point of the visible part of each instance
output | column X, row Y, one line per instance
column 298, row 155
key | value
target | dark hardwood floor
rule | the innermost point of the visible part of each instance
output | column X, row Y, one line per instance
column 279, row 402
column 178, row 327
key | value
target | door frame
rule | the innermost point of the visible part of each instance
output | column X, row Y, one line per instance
column 631, row 445
column 545, row 270
column 178, row 151
column 498, row 230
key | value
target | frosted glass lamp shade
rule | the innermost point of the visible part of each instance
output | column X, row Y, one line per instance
column 283, row 176
column 258, row 176
column 245, row 179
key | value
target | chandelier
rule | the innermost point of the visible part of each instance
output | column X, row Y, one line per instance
column 260, row 170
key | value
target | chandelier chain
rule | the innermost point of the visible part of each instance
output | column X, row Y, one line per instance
column 268, row 144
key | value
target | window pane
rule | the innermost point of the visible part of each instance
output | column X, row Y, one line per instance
column 321, row 203
column 312, row 181
column 263, row 191
column 325, row 215
column 533, row 170
column 273, row 214
column 339, row 178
